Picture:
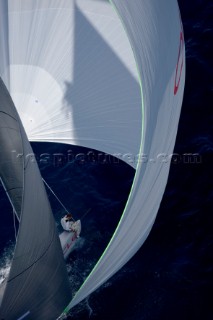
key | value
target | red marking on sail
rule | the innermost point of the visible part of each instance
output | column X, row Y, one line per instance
column 179, row 66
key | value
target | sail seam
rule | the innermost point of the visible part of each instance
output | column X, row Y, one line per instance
column 43, row 254
column 9, row 115
column 9, row 128
column 13, row 189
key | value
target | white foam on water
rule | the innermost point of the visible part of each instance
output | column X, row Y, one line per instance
column 5, row 261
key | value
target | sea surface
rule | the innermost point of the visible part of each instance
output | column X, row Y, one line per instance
column 171, row 276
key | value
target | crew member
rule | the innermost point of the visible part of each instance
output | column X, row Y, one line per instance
column 67, row 222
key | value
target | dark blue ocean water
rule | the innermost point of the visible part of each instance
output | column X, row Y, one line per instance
column 171, row 276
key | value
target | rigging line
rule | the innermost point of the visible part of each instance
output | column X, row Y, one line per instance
column 14, row 223
column 84, row 215
column 56, row 197
column 9, row 115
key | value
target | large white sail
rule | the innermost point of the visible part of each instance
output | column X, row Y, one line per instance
column 156, row 36
column 107, row 75
column 37, row 285
column 73, row 76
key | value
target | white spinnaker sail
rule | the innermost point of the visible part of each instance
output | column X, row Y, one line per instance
column 155, row 32
column 73, row 75
column 73, row 78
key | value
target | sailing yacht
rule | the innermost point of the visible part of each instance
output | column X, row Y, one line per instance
column 106, row 75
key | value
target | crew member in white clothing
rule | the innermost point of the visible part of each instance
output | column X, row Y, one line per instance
column 67, row 222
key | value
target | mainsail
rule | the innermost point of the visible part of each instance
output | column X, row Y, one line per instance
column 107, row 75
column 38, row 284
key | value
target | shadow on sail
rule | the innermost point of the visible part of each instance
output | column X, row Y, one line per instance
column 102, row 94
